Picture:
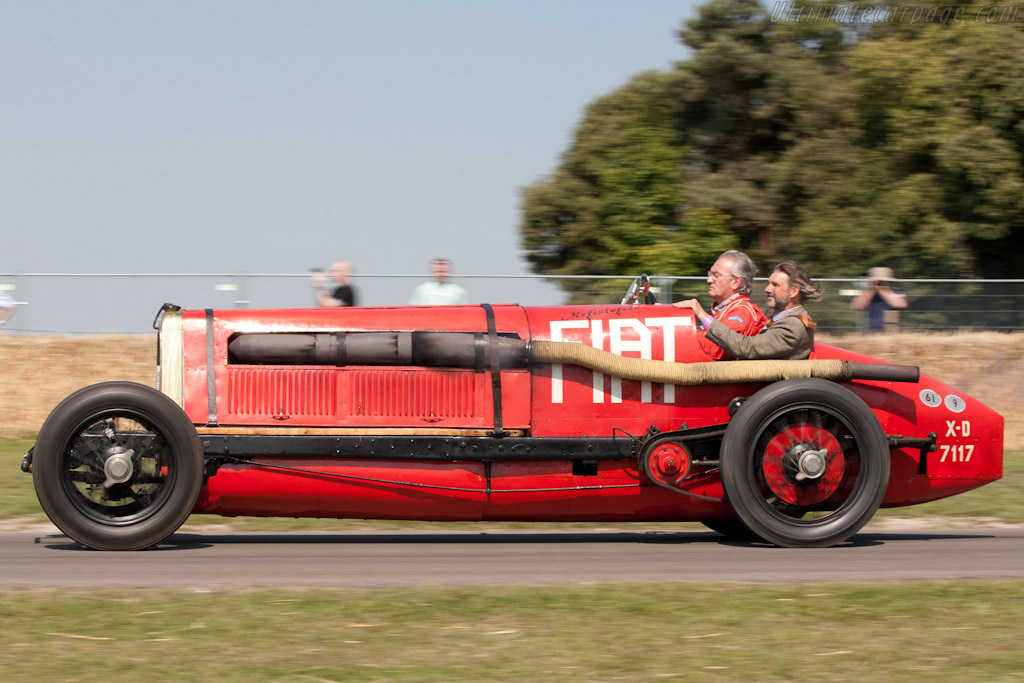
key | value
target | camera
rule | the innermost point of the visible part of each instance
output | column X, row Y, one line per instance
column 881, row 283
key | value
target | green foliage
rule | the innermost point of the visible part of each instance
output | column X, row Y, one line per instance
column 843, row 145
column 615, row 205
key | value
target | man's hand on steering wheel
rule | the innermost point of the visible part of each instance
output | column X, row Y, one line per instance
column 639, row 292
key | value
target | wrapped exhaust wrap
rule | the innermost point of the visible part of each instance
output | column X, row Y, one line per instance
column 727, row 372
column 432, row 349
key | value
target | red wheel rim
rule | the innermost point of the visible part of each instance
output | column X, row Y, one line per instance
column 779, row 464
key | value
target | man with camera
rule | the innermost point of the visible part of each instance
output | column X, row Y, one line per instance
column 880, row 300
column 342, row 293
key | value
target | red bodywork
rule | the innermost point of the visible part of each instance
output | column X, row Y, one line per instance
column 537, row 401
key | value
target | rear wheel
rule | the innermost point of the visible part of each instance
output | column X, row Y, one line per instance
column 117, row 466
column 805, row 463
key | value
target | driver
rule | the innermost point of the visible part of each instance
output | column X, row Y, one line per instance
column 730, row 281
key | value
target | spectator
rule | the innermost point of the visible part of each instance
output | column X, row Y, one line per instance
column 439, row 292
column 730, row 281
column 7, row 306
column 790, row 332
column 880, row 300
column 343, row 293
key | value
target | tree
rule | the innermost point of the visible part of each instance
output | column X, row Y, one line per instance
column 615, row 204
column 942, row 106
column 841, row 143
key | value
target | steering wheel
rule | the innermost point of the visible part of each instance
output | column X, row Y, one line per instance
column 639, row 292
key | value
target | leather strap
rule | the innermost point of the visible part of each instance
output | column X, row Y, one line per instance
column 211, row 384
column 492, row 352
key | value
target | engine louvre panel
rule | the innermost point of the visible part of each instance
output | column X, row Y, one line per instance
column 422, row 394
column 355, row 396
column 280, row 393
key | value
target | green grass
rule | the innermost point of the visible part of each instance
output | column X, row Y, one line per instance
column 1000, row 501
column 17, row 497
column 915, row 631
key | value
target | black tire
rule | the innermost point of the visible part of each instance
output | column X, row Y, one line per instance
column 118, row 466
column 834, row 433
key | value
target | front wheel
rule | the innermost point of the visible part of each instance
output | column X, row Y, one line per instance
column 805, row 463
column 117, row 466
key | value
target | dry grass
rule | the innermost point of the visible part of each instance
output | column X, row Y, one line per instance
column 986, row 365
column 39, row 371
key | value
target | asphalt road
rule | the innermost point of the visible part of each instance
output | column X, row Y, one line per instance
column 230, row 560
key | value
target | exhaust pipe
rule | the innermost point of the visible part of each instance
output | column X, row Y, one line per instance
column 471, row 350
column 431, row 349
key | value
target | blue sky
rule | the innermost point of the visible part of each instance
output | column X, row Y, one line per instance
column 230, row 136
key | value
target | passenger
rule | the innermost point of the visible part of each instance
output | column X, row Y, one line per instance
column 343, row 293
column 730, row 281
column 790, row 332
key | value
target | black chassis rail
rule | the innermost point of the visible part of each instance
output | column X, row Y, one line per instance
column 442, row 448
column 418, row 448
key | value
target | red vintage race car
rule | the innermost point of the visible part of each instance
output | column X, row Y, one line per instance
column 570, row 413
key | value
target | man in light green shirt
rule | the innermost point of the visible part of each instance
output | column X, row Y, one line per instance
column 439, row 292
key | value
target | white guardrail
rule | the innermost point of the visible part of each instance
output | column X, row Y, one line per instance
column 98, row 303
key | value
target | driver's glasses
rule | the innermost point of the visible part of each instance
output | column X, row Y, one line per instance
column 715, row 275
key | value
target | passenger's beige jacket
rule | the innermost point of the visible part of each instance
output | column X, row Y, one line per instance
column 789, row 338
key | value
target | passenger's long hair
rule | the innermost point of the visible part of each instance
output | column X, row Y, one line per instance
column 798, row 277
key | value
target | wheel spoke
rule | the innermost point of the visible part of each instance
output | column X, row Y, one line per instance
column 134, row 489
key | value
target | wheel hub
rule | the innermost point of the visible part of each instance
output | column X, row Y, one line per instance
column 118, row 466
column 810, row 464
